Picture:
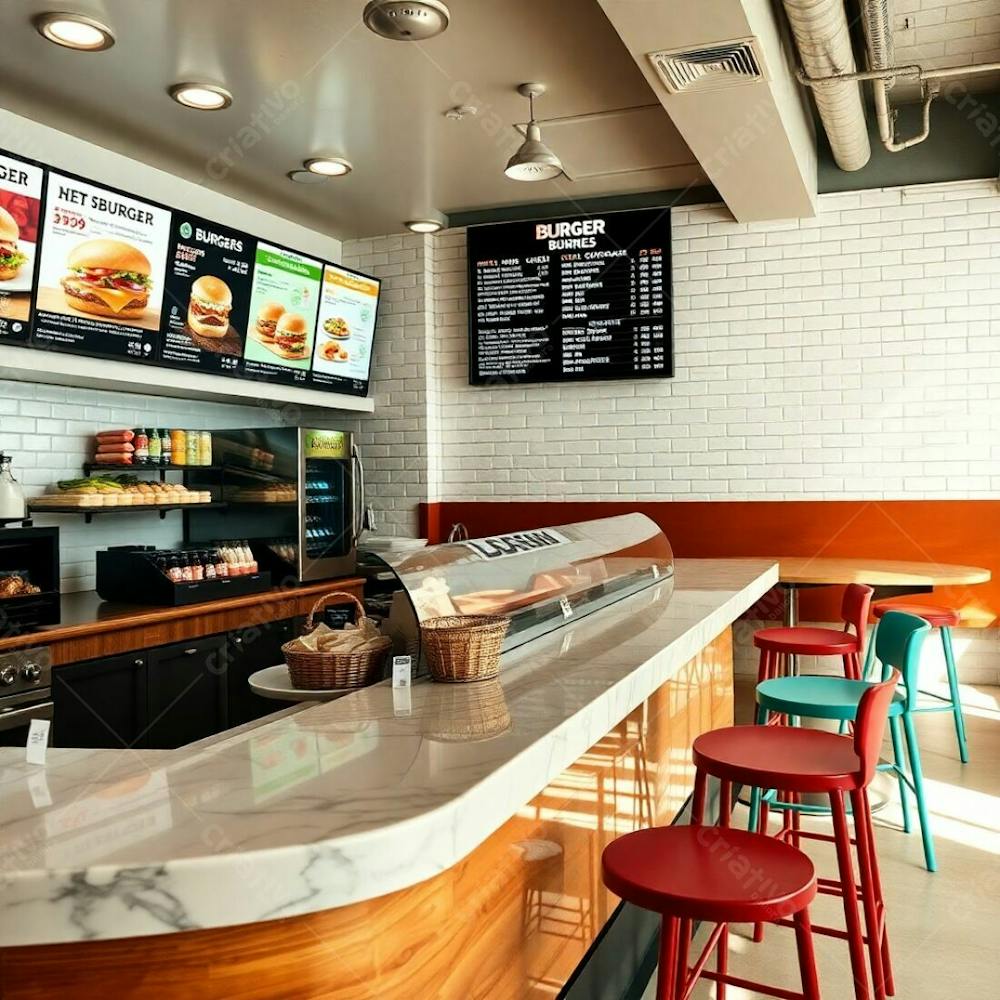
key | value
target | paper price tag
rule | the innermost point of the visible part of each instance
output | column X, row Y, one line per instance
column 38, row 741
column 401, row 667
column 567, row 608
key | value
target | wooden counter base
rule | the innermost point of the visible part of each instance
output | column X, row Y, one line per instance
column 92, row 628
column 509, row 922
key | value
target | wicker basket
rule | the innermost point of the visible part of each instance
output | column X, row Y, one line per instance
column 324, row 670
column 462, row 648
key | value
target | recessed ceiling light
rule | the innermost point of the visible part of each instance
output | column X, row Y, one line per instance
column 328, row 166
column 424, row 225
column 74, row 31
column 201, row 96
column 305, row 177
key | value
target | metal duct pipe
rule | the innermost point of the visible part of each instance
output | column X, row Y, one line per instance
column 824, row 44
column 876, row 16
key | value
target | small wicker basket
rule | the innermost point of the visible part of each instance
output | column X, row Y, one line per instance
column 462, row 648
column 325, row 670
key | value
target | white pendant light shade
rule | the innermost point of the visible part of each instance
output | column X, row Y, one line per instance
column 533, row 161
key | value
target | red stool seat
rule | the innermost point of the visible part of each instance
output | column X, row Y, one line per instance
column 805, row 641
column 935, row 615
column 689, row 871
column 786, row 757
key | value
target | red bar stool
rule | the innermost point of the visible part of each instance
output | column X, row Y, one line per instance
column 944, row 619
column 719, row 875
column 802, row 761
column 777, row 643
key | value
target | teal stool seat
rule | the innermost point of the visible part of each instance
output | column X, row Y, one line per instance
column 816, row 697
column 898, row 642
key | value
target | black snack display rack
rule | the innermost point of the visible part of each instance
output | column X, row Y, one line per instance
column 126, row 573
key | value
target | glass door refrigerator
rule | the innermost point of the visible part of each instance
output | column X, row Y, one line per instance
column 295, row 494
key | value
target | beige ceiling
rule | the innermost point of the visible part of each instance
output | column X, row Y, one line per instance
column 309, row 78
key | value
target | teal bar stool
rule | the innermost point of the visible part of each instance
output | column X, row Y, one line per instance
column 943, row 619
column 897, row 645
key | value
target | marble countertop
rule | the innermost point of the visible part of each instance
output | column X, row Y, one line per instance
column 339, row 802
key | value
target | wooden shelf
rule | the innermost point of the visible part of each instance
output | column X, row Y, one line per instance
column 90, row 468
column 89, row 512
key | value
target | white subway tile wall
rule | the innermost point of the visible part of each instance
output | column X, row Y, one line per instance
column 49, row 431
column 848, row 356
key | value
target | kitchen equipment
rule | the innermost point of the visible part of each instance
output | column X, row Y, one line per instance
column 316, row 670
column 296, row 493
column 29, row 556
column 25, row 693
column 12, row 506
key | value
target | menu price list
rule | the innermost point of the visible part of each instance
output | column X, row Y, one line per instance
column 594, row 305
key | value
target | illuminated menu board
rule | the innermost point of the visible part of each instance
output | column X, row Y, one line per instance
column 88, row 269
column 571, row 300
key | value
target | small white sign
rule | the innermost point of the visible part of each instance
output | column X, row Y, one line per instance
column 656, row 572
column 567, row 608
column 38, row 741
column 401, row 669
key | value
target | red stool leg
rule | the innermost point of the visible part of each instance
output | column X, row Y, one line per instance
column 722, row 962
column 725, row 802
column 763, row 665
column 890, row 983
column 666, row 975
column 807, row 958
column 698, row 802
column 855, row 942
column 868, row 895
column 848, row 666
column 683, row 950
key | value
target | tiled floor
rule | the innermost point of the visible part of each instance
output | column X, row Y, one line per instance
column 943, row 927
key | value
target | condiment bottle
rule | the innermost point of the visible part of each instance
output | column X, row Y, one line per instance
column 174, row 570
column 165, row 447
column 178, row 447
column 197, row 568
column 141, row 444
column 193, row 444
column 221, row 567
column 187, row 573
column 155, row 447
column 11, row 494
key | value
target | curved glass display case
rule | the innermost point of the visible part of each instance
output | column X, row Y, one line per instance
column 540, row 579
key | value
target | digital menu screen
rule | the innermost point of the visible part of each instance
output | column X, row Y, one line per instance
column 100, row 281
column 207, row 305
column 284, row 298
column 91, row 270
column 570, row 300
column 20, row 214
column 348, row 308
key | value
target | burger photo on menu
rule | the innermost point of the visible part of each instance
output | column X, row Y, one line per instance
column 108, row 278
column 267, row 321
column 101, row 275
column 211, row 303
column 291, row 336
column 20, row 205
column 12, row 258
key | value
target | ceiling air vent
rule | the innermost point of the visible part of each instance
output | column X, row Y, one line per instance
column 687, row 71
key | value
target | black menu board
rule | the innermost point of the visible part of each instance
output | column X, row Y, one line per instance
column 571, row 300
column 207, row 297
column 20, row 216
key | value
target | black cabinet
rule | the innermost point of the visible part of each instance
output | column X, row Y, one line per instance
column 101, row 703
column 186, row 692
column 248, row 651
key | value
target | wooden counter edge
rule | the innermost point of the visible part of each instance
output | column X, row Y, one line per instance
column 149, row 627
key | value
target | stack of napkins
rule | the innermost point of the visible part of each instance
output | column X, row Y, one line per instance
column 349, row 639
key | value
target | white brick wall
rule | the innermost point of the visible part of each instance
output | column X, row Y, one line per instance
column 847, row 356
column 49, row 431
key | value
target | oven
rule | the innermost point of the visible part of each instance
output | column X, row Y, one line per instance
column 25, row 693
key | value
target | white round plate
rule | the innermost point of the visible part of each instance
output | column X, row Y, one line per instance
column 274, row 682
